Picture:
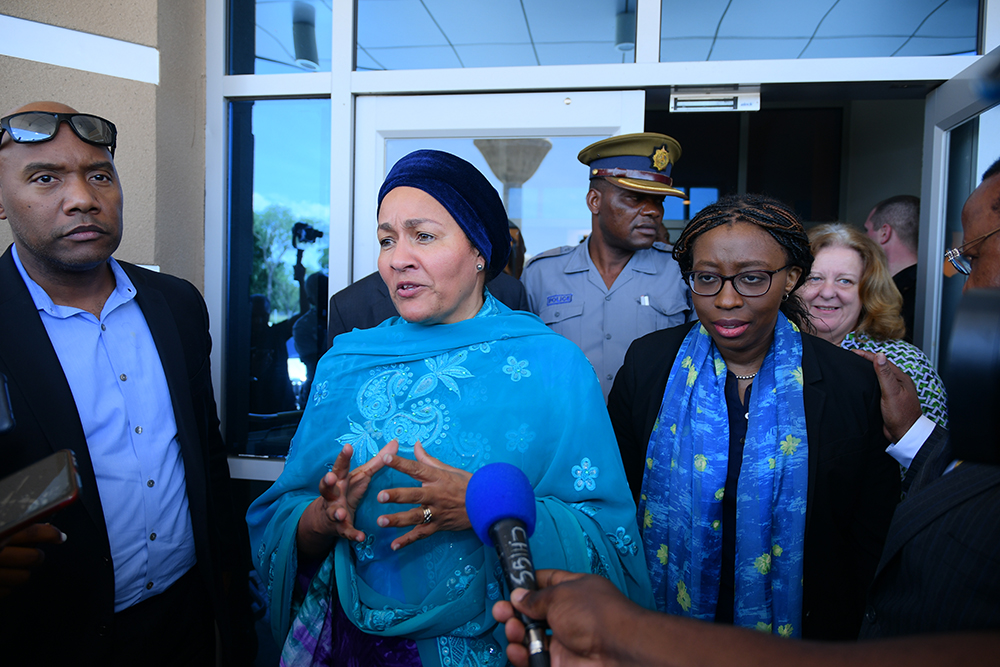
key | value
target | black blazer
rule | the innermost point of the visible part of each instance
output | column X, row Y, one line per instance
column 366, row 303
column 68, row 604
column 940, row 570
column 853, row 483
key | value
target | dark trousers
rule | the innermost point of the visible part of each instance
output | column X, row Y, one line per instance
column 174, row 628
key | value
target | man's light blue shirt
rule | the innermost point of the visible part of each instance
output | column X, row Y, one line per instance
column 121, row 394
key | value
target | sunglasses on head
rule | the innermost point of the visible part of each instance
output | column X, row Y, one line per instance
column 32, row 127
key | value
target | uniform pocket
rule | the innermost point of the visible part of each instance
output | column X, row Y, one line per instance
column 559, row 313
column 663, row 312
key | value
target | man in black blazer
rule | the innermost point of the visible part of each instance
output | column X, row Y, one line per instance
column 366, row 303
column 940, row 569
column 119, row 596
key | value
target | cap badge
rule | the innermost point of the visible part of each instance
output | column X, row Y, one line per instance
column 661, row 158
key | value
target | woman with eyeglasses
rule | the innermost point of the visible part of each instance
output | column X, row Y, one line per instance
column 364, row 541
column 853, row 302
column 755, row 450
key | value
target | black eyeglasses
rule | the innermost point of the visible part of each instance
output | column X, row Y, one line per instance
column 746, row 283
column 32, row 127
column 957, row 256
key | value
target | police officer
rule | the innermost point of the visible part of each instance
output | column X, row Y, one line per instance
column 617, row 285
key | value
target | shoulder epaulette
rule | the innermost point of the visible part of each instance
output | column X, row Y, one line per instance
column 553, row 252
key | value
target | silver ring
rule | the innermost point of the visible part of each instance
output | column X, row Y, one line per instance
column 427, row 514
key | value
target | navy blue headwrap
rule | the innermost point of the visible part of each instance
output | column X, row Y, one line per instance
column 466, row 195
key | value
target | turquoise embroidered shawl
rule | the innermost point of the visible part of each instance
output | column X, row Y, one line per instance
column 498, row 387
column 682, row 489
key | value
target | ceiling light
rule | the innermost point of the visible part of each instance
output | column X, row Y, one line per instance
column 625, row 31
column 304, row 35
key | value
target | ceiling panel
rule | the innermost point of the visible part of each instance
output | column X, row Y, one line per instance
column 576, row 53
column 396, row 23
column 560, row 21
column 685, row 49
column 423, row 57
column 926, row 46
column 757, row 49
column 498, row 21
column 430, row 34
column 775, row 18
column 858, row 47
column 485, row 55
column 679, row 19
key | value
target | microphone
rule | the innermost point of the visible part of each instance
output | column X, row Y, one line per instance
column 501, row 506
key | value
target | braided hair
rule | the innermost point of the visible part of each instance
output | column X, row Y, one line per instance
column 771, row 215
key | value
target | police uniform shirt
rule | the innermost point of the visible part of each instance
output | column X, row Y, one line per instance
column 567, row 291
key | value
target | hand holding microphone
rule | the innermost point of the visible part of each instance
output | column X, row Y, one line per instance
column 501, row 507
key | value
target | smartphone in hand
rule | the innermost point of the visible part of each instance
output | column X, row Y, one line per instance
column 33, row 493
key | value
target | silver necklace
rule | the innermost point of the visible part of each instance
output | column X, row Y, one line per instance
column 746, row 377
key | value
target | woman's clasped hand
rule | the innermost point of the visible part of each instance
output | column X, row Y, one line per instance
column 439, row 500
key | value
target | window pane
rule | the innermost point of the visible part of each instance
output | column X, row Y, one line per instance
column 780, row 29
column 962, row 180
column 700, row 198
column 279, row 250
column 435, row 34
column 279, row 36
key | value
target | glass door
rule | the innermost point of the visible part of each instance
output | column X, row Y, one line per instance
column 960, row 142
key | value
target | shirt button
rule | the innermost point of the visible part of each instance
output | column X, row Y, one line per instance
column 103, row 328
column 557, row 313
column 607, row 336
column 607, row 298
column 122, row 377
column 138, row 429
column 149, row 585
column 150, row 483
column 152, row 537
column 610, row 376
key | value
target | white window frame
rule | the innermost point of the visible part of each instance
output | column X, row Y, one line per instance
column 343, row 86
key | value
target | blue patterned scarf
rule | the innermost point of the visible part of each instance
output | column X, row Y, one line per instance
column 686, row 464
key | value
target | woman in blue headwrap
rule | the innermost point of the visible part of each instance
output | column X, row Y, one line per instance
column 364, row 540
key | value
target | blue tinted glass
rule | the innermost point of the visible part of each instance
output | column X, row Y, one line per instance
column 673, row 208
column 278, row 267
column 434, row 34
column 700, row 198
column 789, row 29
column 279, row 36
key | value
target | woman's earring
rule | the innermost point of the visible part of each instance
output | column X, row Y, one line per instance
column 479, row 267
column 785, row 298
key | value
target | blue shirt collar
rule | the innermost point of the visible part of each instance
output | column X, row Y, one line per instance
column 124, row 290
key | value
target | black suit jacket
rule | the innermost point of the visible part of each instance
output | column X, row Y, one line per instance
column 853, row 483
column 67, row 607
column 940, row 570
column 366, row 303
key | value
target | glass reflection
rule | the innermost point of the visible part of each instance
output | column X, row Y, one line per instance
column 279, row 36
column 278, row 268
column 435, row 34
column 790, row 29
